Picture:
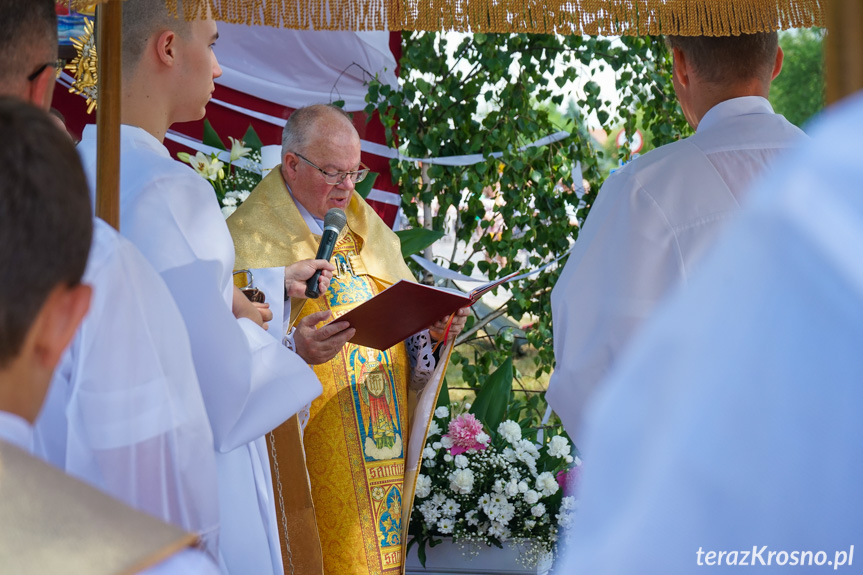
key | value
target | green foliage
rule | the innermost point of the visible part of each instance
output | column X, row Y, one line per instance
column 492, row 399
column 415, row 240
column 211, row 138
column 798, row 92
column 487, row 93
column 364, row 188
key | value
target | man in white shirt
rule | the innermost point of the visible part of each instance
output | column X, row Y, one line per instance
column 51, row 522
column 654, row 219
column 730, row 434
column 250, row 382
column 125, row 412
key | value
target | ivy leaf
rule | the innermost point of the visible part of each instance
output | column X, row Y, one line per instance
column 415, row 240
column 493, row 396
column 211, row 138
column 364, row 188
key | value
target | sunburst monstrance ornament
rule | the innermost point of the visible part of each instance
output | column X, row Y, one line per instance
column 84, row 67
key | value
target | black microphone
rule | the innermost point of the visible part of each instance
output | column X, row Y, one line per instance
column 334, row 221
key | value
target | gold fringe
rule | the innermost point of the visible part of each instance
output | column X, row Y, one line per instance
column 588, row 17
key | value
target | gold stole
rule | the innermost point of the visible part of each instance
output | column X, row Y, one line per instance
column 269, row 231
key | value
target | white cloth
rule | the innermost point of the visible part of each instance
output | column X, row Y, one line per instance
column 18, row 432
column 734, row 421
column 651, row 223
column 298, row 68
column 124, row 411
column 250, row 383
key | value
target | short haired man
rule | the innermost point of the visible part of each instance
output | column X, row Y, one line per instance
column 655, row 218
column 250, row 383
column 348, row 462
column 124, row 411
column 52, row 522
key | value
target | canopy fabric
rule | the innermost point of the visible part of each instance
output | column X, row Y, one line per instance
column 589, row 17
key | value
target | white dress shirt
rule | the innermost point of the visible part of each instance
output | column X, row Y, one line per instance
column 124, row 411
column 651, row 223
column 733, row 421
column 249, row 381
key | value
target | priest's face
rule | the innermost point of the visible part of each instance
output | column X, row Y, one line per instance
column 333, row 147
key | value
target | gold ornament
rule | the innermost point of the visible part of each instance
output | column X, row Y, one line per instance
column 84, row 67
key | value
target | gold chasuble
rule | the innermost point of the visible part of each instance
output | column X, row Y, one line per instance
column 346, row 481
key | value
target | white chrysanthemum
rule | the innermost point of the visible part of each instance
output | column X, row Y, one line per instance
column 430, row 463
column 485, row 500
column 430, row 512
column 428, row 453
column 510, row 430
column 445, row 525
column 450, row 508
column 461, row 461
column 441, row 412
column 424, row 485
column 447, row 457
column 522, row 487
column 509, row 454
column 244, row 195
column 538, row 510
column 559, row 446
column 434, row 429
column 446, row 442
column 438, row 499
column 564, row 519
column 483, row 437
column 531, row 497
column 228, row 210
column 461, row 481
column 499, row 485
column 511, row 489
column 471, row 519
column 547, row 484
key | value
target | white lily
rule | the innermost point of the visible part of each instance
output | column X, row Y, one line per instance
column 237, row 149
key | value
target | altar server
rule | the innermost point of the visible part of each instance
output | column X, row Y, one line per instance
column 730, row 434
column 125, row 412
column 250, row 382
column 654, row 218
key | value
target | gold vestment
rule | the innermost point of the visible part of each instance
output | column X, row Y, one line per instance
column 347, row 481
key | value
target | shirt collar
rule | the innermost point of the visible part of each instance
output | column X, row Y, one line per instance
column 732, row 108
column 316, row 226
column 16, row 430
column 138, row 137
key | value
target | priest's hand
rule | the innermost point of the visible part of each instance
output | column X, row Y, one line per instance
column 297, row 274
column 257, row 312
column 438, row 328
column 320, row 345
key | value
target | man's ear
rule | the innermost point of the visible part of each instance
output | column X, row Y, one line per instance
column 166, row 47
column 777, row 66
column 681, row 67
column 57, row 322
column 41, row 90
column 290, row 163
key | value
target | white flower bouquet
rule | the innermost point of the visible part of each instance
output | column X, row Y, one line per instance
column 487, row 487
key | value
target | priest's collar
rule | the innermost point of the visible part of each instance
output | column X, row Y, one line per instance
column 316, row 226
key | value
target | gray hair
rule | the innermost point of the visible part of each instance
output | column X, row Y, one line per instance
column 300, row 125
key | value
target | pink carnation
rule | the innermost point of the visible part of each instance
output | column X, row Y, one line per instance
column 463, row 431
column 569, row 480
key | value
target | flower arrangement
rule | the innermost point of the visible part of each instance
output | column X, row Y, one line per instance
column 232, row 183
column 487, row 488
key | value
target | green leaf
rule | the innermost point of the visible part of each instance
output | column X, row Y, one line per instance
column 251, row 139
column 443, row 399
column 211, row 138
column 416, row 240
column 364, row 188
column 493, row 396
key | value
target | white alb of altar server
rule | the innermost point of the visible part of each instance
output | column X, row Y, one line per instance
column 124, row 411
column 651, row 223
column 733, row 422
column 250, row 382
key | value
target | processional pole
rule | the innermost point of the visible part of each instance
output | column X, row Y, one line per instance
column 844, row 48
column 109, row 44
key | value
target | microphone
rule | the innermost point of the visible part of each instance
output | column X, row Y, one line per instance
column 334, row 221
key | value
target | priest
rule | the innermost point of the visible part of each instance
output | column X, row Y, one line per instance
column 352, row 457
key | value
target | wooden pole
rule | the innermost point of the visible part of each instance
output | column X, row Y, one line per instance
column 109, row 44
column 844, row 48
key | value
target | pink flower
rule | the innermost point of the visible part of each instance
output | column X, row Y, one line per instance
column 463, row 432
column 569, row 480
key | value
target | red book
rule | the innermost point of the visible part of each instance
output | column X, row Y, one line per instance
column 407, row 308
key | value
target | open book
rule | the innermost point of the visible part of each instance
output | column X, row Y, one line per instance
column 406, row 308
